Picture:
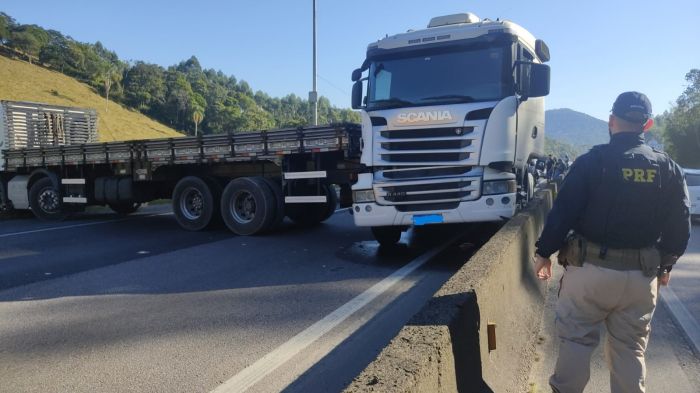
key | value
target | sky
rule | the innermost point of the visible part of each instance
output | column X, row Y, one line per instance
column 598, row 48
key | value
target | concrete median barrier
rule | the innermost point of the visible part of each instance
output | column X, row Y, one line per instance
column 479, row 331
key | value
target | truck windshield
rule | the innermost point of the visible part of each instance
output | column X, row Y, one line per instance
column 440, row 78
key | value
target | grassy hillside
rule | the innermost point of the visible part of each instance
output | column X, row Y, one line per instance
column 20, row 81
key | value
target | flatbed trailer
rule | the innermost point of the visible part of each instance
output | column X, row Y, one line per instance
column 248, row 180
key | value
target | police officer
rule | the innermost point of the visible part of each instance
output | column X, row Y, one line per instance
column 549, row 165
column 628, row 211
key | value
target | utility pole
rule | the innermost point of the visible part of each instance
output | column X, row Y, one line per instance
column 313, row 95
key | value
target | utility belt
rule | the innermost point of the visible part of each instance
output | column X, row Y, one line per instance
column 577, row 251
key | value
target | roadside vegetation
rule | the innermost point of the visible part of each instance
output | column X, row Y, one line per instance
column 561, row 149
column 184, row 96
column 20, row 81
column 679, row 127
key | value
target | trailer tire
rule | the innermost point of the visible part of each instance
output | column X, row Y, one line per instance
column 309, row 214
column 387, row 236
column 276, row 189
column 46, row 201
column 331, row 204
column 124, row 208
column 248, row 206
column 194, row 203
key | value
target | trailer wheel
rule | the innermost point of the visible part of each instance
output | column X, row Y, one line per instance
column 276, row 189
column 46, row 201
column 308, row 214
column 124, row 208
column 194, row 203
column 248, row 206
column 387, row 236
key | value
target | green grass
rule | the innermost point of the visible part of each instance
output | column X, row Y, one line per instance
column 21, row 81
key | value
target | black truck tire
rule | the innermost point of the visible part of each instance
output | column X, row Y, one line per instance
column 46, row 201
column 248, row 206
column 194, row 203
column 309, row 214
column 331, row 205
column 387, row 236
column 276, row 189
column 124, row 208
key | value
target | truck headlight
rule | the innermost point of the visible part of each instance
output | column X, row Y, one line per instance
column 363, row 196
column 498, row 187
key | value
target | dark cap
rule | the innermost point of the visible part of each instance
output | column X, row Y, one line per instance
column 632, row 106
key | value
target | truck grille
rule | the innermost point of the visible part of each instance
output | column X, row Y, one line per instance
column 423, row 172
column 421, row 146
column 431, row 191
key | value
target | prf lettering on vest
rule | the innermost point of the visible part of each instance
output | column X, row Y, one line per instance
column 639, row 175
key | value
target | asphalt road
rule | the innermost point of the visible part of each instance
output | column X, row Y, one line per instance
column 682, row 296
column 108, row 304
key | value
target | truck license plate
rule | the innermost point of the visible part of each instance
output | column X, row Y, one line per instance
column 428, row 219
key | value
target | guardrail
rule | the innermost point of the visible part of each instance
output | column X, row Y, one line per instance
column 479, row 331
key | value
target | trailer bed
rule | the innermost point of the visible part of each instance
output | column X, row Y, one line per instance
column 231, row 147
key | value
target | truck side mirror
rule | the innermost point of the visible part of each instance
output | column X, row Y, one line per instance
column 356, row 74
column 534, row 80
column 357, row 95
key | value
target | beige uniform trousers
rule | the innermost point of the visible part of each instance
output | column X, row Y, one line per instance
column 624, row 301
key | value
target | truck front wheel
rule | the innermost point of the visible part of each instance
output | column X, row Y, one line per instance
column 194, row 203
column 387, row 236
column 46, row 201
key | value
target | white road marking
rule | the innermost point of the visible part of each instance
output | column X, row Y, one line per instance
column 16, row 252
column 682, row 316
column 342, row 210
column 252, row 374
column 81, row 225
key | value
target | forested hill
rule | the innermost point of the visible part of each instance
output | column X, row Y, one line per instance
column 178, row 95
column 576, row 128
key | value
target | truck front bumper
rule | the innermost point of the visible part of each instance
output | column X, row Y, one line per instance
column 502, row 206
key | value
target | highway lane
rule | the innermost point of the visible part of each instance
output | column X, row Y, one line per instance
column 683, row 294
column 201, row 307
column 33, row 250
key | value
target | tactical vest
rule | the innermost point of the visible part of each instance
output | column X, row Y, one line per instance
column 623, row 208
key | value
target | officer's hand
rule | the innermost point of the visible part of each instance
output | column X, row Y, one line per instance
column 663, row 279
column 543, row 267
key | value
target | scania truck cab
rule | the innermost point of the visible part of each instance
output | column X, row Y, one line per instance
column 451, row 115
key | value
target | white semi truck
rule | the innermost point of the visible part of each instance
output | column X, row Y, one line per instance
column 451, row 115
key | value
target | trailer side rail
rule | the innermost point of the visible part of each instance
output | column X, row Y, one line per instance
column 236, row 146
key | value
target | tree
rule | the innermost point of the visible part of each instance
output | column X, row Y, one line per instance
column 29, row 39
column 110, row 75
column 197, row 118
column 144, row 87
column 681, row 127
column 253, row 117
column 7, row 23
column 55, row 52
column 197, row 106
